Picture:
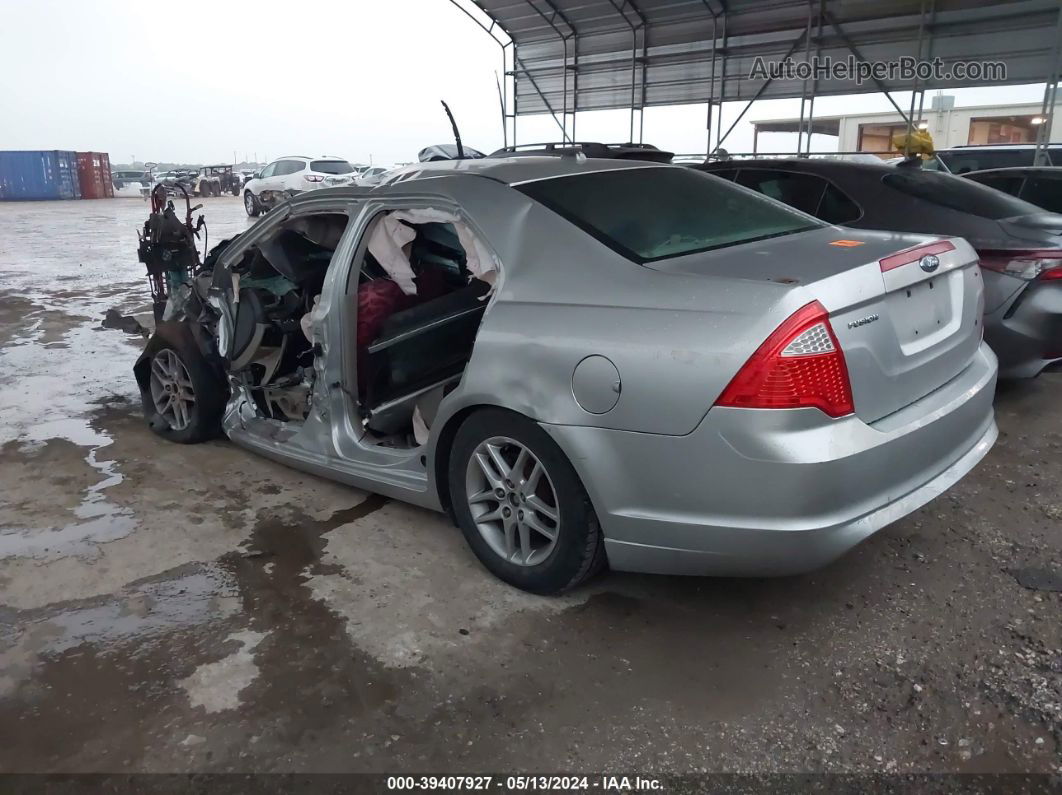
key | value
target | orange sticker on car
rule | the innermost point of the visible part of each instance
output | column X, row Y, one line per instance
column 846, row 243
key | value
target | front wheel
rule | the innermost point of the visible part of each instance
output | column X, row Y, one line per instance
column 182, row 397
column 250, row 204
column 520, row 504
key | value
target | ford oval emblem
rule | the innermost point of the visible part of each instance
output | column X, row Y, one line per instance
column 929, row 263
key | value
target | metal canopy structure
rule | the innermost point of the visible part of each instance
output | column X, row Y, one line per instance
column 565, row 56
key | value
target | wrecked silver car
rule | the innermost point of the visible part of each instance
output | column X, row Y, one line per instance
column 586, row 361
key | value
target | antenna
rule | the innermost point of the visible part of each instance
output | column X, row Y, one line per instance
column 457, row 134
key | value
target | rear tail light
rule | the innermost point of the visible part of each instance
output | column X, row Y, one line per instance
column 800, row 365
column 909, row 255
column 1029, row 264
column 313, row 178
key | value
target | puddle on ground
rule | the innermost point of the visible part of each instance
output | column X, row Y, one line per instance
column 97, row 519
column 203, row 650
column 180, row 599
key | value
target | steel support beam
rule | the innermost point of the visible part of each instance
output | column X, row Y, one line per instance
column 620, row 9
column 804, row 86
column 855, row 51
column 1047, row 109
column 551, row 21
column 711, row 77
column 505, row 68
column 759, row 92
column 815, row 80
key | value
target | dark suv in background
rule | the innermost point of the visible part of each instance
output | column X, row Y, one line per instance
column 1020, row 244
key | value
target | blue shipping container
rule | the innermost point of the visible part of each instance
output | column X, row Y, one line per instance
column 31, row 175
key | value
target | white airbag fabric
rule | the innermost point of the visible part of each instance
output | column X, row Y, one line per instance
column 389, row 236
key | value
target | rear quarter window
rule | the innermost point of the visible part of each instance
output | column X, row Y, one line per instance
column 802, row 191
column 957, row 193
column 1007, row 184
column 837, row 208
column 1044, row 192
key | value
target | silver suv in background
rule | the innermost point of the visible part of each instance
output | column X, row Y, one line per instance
column 292, row 175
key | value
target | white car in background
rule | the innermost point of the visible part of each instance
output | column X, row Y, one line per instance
column 371, row 176
column 289, row 176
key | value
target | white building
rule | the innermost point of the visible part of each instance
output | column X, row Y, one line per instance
column 949, row 126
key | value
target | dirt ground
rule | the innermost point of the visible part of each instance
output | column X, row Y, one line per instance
column 196, row 608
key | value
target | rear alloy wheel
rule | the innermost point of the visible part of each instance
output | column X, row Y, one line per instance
column 250, row 204
column 520, row 504
column 512, row 500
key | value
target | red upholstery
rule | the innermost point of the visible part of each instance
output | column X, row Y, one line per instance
column 377, row 301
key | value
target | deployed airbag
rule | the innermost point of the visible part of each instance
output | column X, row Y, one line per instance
column 390, row 236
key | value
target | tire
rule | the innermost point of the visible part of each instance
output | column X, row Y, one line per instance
column 172, row 352
column 526, row 557
column 251, row 205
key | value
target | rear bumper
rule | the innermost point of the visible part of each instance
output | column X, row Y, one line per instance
column 774, row 492
column 1030, row 338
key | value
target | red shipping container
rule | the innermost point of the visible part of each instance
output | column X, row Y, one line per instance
column 105, row 171
column 94, row 176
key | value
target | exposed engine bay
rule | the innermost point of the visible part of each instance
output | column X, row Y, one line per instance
column 168, row 247
column 418, row 287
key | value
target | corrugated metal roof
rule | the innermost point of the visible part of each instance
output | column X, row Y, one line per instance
column 664, row 48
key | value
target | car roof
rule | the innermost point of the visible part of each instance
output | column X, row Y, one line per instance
column 510, row 171
column 514, row 170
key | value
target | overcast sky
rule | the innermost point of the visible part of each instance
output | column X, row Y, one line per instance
column 199, row 81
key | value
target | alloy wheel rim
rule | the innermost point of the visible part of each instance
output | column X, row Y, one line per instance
column 512, row 500
column 248, row 202
column 171, row 390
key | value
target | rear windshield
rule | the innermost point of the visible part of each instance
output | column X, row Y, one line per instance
column 331, row 167
column 649, row 214
column 957, row 193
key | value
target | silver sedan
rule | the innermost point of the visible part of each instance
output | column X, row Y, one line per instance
column 590, row 363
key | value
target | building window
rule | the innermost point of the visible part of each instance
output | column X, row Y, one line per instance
column 877, row 138
column 1002, row 130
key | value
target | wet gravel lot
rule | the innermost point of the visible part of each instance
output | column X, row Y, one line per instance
column 195, row 608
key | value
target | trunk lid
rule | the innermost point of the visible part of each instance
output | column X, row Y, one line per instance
column 1043, row 229
column 1013, row 237
column 904, row 330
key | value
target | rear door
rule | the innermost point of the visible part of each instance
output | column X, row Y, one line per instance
column 290, row 175
column 267, row 179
